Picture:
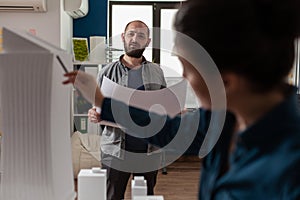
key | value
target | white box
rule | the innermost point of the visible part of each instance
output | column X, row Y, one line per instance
column 92, row 184
column 154, row 197
column 138, row 186
column 97, row 49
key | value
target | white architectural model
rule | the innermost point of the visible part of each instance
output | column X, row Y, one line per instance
column 36, row 155
column 92, row 184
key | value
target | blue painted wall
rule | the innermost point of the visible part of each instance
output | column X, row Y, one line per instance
column 94, row 23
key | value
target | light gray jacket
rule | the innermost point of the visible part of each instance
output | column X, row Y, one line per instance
column 113, row 139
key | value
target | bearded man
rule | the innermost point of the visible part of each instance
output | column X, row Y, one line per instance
column 134, row 71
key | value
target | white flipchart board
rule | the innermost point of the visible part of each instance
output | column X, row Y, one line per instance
column 36, row 152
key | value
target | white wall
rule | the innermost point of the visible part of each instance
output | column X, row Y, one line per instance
column 54, row 26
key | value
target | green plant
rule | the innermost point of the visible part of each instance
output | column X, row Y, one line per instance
column 80, row 49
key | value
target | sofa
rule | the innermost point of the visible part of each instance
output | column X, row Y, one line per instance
column 85, row 151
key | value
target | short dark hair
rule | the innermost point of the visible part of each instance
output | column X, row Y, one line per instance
column 138, row 21
column 254, row 38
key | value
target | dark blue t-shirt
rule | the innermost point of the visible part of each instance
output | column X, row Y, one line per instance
column 135, row 81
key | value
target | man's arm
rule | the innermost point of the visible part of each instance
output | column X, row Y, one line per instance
column 184, row 129
column 93, row 115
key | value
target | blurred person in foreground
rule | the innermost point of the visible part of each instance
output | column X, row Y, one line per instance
column 252, row 42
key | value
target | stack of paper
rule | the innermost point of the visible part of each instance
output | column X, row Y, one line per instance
column 168, row 101
column 171, row 100
column 36, row 159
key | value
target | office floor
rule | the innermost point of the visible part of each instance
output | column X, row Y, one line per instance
column 181, row 181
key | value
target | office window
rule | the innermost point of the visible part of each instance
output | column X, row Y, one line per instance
column 170, row 63
column 154, row 14
column 121, row 15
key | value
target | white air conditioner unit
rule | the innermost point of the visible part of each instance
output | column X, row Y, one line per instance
column 77, row 8
column 23, row 5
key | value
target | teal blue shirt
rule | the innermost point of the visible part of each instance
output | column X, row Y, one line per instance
column 266, row 161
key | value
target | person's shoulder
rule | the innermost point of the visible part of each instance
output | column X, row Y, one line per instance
column 153, row 66
column 109, row 66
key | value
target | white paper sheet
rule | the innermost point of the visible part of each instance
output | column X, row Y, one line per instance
column 168, row 101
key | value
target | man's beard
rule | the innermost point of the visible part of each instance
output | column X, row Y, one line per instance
column 136, row 53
